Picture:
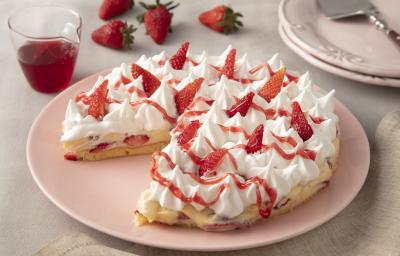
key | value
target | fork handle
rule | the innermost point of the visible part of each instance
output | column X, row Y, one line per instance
column 380, row 24
column 394, row 36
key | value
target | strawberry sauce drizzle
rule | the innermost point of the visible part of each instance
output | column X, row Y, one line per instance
column 317, row 120
column 139, row 92
column 307, row 154
column 290, row 140
column 292, row 78
column 163, row 112
column 117, row 84
column 199, row 99
column 245, row 80
column 179, row 127
column 259, row 67
column 263, row 211
column 195, row 158
column 195, row 63
column 194, row 113
column 173, row 81
column 83, row 97
column 270, row 113
column 210, row 144
column 123, row 80
column 234, row 129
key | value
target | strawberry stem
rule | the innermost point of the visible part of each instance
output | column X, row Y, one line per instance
column 128, row 38
column 230, row 22
column 140, row 17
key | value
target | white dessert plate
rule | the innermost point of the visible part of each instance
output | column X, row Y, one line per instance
column 103, row 194
column 352, row 44
column 383, row 81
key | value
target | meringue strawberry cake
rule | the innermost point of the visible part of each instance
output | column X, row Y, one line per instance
column 233, row 142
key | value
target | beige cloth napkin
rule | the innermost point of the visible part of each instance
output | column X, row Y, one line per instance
column 370, row 225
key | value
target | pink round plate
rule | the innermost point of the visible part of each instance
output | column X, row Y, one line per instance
column 382, row 81
column 352, row 44
column 103, row 194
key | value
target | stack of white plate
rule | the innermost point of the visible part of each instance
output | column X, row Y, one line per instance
column 351, row 48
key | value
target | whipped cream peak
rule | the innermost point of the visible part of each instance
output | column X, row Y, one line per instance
column 306, row 99
column 73, row 113
column 162, row 56
column 220, row 60
column 274, row 62
column 304, row 81
column 281, row 102
column 198, row 58
column 185, row 81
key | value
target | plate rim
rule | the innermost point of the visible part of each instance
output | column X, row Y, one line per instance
column 166, row 245
column 318, row 63
column 307, row 46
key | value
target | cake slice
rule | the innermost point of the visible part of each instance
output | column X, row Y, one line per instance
column 260, row 149
column 132, row 110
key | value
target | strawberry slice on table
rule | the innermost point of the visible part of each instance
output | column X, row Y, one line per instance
column 229, row 67
column 111, row 8
column 136, row 140
column 115, row 34
column 242, row 106
column 300, row 123
column 189, row 132
column 221, row 19
column 98, row 100
column 254, row 143
column 178, row 60
column 273, row 86
column 184, row 97
column 150, row 82
column 211, row 162
column 157, row 19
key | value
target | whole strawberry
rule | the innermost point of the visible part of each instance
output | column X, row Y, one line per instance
column 115, row 34
column 157, row 20
column 221, row 19
column 111, row 8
